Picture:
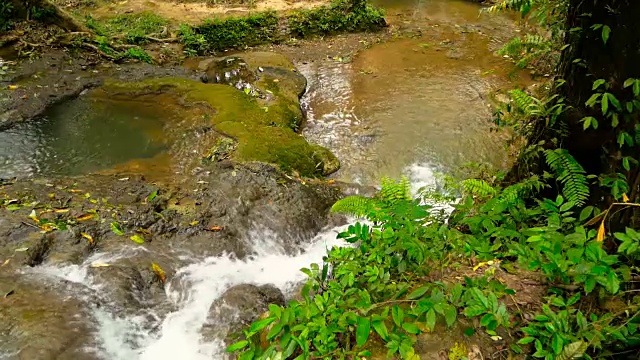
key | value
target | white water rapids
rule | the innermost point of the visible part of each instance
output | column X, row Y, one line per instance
column 194, row 288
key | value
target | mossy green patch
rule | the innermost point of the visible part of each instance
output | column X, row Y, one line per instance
column 263, row 133
column 269, row 27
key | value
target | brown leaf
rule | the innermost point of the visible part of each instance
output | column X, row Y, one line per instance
column 159, row 272
column 595, row 220
column 214, row 228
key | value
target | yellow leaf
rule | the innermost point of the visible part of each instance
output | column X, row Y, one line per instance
column 159, row 272
column 13, row 87
column 84, row 217
column 75, row 191
column 479, row 266
column 88, row 237
column 194, row 223
column 625, row 198
column 601, row 232
column 33, row 216
column 61, row 211
column 137, row 239
column 97, row 265
column 5, row 262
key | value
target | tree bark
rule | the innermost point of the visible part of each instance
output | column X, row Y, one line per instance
column 54, row 14
column 589, row 58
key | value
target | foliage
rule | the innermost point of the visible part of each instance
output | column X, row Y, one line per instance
column 386, row 288
column 132, row 28
column 138, row 54
column 570, row 173
column 341, row 16
column 6, row 15
column 268, row 27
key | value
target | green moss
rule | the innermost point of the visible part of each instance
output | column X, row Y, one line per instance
column 267, row 27
column 264, row 136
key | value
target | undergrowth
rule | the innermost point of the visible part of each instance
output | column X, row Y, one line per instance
column 390, row 286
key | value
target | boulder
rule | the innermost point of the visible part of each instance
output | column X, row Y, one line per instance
column 238, row 307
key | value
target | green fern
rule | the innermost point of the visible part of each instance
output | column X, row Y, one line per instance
column 358, row 206
column 570, row 174
column 522, row 189
column 477, row 187
column 392, row 191
column 522, row 100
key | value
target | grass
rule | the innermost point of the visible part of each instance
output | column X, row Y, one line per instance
column 132, row 28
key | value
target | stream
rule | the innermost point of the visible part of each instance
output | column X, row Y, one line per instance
column 411, row 106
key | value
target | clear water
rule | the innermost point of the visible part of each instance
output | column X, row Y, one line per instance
column 81, row 136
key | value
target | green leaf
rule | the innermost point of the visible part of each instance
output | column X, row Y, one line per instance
column 556, row 344
column 431, row 319
column 115, row 227
column 137, row 239
column 469, row 331
column 606, row 30
column 629, row 82
column 411, row 328
column 598, row 83
column 526, row 340
column 397, row 314
column 381, row 329
column 589, row 284
column 450, row 314
column 152, row 196
column 605, row 103
column 417, row 293
column 486, row 319
column 363, row 330
column 586, row 212
column 237, row 346
column 572, row 351
column 261, row 324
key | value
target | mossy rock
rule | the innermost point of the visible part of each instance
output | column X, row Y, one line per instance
column 264, row 133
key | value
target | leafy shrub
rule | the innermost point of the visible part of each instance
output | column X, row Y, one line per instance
column 385, row 288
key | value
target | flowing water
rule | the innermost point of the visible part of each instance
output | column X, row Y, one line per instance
column 420, row 99
column 413, row 106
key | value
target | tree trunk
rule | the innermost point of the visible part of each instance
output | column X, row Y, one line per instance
column 587, row 59
column 52, row 13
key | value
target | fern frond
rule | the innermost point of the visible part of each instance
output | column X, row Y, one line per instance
column 522, row 100
column 355, row 205
column 393, row 191
column 570, row 174
column 477, row 187
column 522, row 189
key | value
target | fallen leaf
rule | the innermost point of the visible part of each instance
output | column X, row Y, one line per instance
column 115, row 227
column 33, row 216
column 98, row 265
column 9, row 293
column 143, row 231
column 5, row 262
column 123, row 179
column 89, row 238
column 152, row 196
column 75, row 191
column 137, row 239
column 59, row 211
column 84, row 217
column 601, row 232
column 194, row 223
column 159, row 272
column 21, row 249
column 13, row 87
column 214, row 228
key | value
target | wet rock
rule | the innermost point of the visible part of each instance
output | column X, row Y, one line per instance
column 238, row 307
column 130, row 284
column 40, row 321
